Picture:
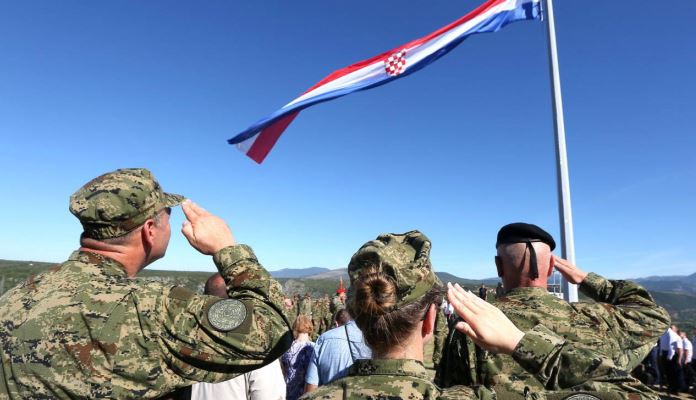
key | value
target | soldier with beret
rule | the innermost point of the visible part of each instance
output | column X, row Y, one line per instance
column 605, row 339
column 90, row 329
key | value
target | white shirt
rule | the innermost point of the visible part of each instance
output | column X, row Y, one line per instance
column 670, row 342
column 689, row 349
column 266, row 383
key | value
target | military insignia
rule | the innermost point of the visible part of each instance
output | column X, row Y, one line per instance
column 226, row 315
column 582, row 396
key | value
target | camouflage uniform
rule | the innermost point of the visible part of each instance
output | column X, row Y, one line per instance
column 591, row 346
column 337, row 304
column 317, row 319
column 290, row 313
column 391, row 379
column 297, row 301
column 87, row 330
column 306, row 306
column 439, row 337
column 327, row 315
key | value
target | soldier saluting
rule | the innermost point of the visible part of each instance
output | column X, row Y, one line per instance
column 90, row 329
column 606, row 338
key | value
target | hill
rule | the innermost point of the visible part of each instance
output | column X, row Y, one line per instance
column 298, row 272
column 447, row 277
column 676, row 284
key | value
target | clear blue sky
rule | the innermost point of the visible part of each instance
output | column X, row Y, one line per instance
column 456, row 150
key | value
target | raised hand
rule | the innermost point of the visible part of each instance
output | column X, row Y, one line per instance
column 569, row 271
column 204, row 231
column 485, row 324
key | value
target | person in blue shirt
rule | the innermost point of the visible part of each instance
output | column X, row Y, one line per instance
column 335, row 351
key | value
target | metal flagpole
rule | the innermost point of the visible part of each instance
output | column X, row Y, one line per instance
column 570, row 291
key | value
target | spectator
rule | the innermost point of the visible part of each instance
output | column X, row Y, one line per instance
column 335, row 352
column 671, row 348
column 654, row 364
column 499, row 290
column 296, row 360
column 265, row 383
column 483, row 292
column 687, row 355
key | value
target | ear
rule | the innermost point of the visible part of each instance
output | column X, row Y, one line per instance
column 552, row 262
column 499, row 266
column 429, row 321
column 148, row 233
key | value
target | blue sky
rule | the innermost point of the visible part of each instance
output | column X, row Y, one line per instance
column 457, row 150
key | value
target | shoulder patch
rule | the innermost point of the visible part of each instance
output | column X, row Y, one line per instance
column 582, row 396
column 226, row 315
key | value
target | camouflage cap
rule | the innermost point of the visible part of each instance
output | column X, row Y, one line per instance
column 118, row 202
column 404, row 257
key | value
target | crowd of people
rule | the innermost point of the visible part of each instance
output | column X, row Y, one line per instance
column 671, row 363
column 89, row 329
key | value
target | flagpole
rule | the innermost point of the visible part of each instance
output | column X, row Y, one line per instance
column 570, row 291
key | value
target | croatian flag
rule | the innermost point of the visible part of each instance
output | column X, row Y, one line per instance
column 258, row 140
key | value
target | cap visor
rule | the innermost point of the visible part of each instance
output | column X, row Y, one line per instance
column 171, row 200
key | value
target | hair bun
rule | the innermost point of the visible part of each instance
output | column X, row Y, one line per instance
column 375, row 294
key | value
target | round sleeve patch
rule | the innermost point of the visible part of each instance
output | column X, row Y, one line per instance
column 226, row 315
column 582, row 396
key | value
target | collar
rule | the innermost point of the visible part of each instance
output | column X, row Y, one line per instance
column 392, row 367
column 97, row 264
column 522, row 292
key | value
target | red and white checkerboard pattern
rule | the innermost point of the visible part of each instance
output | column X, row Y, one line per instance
column 396, row 63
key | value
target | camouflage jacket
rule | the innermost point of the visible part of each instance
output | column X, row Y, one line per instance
column 584, row 346
column 336, row 304
column 86, row 330
column 306, row 306
column 439, row 336
column 391, row 379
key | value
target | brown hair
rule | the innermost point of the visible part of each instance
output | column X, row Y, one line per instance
column 342, row 317
column 302, row 325
column 374, row 298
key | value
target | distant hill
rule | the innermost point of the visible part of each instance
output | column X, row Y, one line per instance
column 678, row 304
column 336, row 274
column 447, row 277
column 332, row 274
column 298, row 272
column 676, row 284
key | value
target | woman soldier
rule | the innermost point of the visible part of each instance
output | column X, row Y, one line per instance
column 394, row 297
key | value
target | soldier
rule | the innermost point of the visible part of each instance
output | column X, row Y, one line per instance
column 327, row 316
column 306, row 305
column 317, row 319
column 609, row 337
column 395, row 308
column 90, row 329
column 297, row 301
column 339, row 300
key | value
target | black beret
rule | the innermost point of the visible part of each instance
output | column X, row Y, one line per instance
column 519, row 232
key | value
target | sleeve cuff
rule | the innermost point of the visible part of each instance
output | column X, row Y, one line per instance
column 233, row 254
column 593, row 285
column 535, row 347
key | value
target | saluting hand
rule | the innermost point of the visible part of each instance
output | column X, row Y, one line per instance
column 203, row 230
column 569, row 271
column 485, row 324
